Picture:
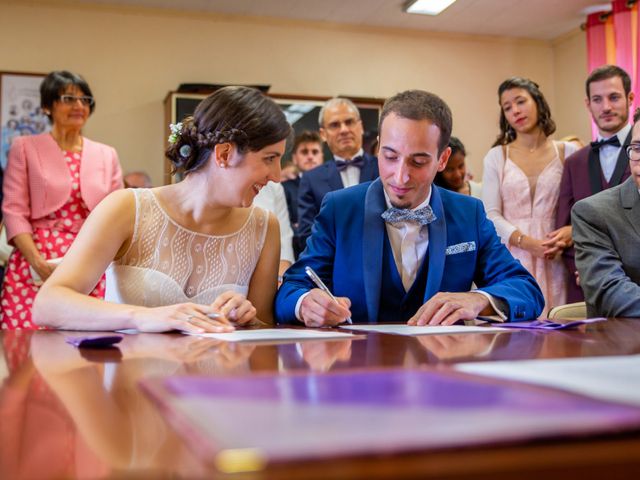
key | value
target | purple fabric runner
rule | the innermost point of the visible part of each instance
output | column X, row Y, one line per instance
column 94, row 341
column 285, row 417
column 551, row 325
column 393, row 388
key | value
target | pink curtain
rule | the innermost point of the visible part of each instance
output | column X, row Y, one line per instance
column 596, row 40
column 625, row 28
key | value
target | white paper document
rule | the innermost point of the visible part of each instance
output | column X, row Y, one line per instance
column 274, row 334
column 403, row 329
column 615, row 378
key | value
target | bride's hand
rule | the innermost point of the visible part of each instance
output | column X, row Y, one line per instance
column 186, row 317
column 234, row 307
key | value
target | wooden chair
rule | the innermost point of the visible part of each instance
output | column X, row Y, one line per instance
column 570, row 311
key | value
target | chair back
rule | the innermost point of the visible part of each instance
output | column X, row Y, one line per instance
column 570, row 311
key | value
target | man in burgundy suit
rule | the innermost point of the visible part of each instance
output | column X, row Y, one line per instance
column 598, row 166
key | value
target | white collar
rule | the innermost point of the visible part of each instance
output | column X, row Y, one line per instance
column 359, row 153
column 621, row 134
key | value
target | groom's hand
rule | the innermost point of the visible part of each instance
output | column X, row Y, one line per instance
column 446, row 308
column 319, row 310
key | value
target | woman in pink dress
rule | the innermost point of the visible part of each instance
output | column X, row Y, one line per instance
column 52, row 182
column 521, row 184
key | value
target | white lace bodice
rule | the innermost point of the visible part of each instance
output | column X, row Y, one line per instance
column 168, row 264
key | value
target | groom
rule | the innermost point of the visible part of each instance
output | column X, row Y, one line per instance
column 399, row 250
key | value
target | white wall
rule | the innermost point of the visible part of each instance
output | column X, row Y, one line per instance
column 570, row 73
column 133, row 57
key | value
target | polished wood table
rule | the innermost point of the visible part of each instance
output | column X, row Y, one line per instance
column 70, row 413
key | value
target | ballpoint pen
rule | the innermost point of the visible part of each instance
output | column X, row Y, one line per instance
column 320, row 284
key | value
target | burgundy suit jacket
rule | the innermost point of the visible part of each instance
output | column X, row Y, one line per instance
column 582, row 177
column 579, row 178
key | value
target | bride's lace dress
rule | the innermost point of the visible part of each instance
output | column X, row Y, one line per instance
column 168, row 264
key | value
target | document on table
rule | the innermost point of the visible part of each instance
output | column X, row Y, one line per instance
column 613, row 378
column 276, row 334
column 403, row 329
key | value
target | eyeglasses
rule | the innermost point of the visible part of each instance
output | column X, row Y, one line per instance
column 633, row 152
column 349, row 123
column 71, row 99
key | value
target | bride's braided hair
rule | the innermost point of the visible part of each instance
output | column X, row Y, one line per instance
column 239, row 115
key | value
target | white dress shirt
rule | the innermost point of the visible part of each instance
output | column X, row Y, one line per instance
column 609, row 153
column 271, row 197
column 409, row 242
column 351, row 175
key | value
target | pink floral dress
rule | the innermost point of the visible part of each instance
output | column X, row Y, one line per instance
column 19, row 290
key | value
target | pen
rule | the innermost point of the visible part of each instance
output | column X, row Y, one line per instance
column 320, row 284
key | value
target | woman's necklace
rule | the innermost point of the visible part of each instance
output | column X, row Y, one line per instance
column 536, row 144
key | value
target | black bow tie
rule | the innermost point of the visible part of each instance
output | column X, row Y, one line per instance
column 422, row 216
column 341, row 165
column 615, row 141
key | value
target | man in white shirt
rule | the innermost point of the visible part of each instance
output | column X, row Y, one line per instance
column 341, row 128
column 601, row 165
column 271, row 197
column 399, row 250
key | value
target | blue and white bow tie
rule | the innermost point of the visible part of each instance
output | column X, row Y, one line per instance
column 422, row 216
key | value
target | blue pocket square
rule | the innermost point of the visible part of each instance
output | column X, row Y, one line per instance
column 460, row 248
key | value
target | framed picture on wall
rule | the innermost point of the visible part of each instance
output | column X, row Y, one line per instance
column 20, row 112
column 301, row 112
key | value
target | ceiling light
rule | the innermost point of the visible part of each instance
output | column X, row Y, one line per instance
column 427, row 7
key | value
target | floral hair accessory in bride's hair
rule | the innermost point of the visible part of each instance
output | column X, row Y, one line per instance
column 176, row 130
column 185, row 151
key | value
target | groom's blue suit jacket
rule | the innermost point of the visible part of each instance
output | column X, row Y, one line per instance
column 348, row 239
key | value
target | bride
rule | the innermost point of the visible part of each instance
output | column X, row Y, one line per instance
column 194, row 256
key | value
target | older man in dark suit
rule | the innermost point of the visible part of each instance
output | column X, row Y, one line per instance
column 341, row 128
column 598, row 166
column 606, row 230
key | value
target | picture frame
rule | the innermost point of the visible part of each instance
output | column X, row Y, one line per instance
column 301, row 111
column 20, row 111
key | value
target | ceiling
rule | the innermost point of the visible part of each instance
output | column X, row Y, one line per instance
column 535, row 19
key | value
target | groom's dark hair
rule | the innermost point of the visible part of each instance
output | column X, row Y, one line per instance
column 421, row 105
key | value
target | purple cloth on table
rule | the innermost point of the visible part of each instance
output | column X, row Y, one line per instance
column 404, row 389
column 94, row 341
column 551, row 325
column 284, row 417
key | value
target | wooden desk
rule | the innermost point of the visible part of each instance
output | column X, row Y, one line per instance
column 65, row 415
